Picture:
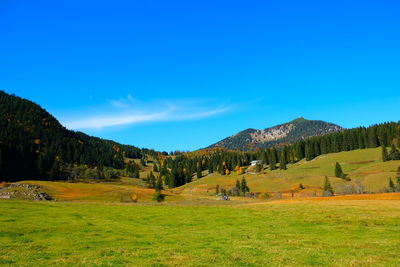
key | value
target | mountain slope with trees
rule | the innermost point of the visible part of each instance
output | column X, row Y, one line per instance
column 298, row 129
column 34, row 145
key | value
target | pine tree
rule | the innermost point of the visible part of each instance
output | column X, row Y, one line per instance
column 392, row 187
column 159, row 184
column 244, row 187
column 199, row 174
column 282, row 160
column 211, row 168
column 136, row 172
column 217, row 189
column 238, row 185
column 328, row 190
column 272, row 160
column 338, row 171
column 155, row 169
column 151, row 180
column 384, row 154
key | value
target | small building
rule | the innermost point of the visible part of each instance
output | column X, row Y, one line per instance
column 255, row 162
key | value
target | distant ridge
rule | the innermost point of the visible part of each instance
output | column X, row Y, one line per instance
column 289, row 132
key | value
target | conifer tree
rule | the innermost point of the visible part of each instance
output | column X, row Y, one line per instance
column 338, row 171
column 151, row 180
column 392, row 187
column 211, row 168
column 244, row 187
column 217, row 189
column 384, row 154
column 155, row 169
column 272, row 161
column 199, row 174
column 159, row 184
column 238, row 185
column 282, row 160
column 327, row 187
column 136, row 172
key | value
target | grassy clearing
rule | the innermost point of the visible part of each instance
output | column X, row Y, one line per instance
column 365, row 165
column 102, row 192
column 302, row 233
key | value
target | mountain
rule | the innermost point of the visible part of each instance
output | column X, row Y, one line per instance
column 33, row 142
column 298, row 129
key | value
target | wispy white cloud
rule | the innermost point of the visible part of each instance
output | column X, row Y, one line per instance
column 130, row 111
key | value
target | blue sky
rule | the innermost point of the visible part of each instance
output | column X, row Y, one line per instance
column 184, row 74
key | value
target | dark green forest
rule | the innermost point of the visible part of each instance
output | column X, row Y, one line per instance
column 34, row 145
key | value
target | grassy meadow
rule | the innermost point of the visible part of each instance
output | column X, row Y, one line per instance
column 295, row 233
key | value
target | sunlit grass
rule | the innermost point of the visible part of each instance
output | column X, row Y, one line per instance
column 299, row 233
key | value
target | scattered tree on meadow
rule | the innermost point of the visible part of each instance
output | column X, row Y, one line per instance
column 243, row 186
column 238, row 186
column 392, row 187
column 159, row 184
column 217, row 189
column 338, row 171
column 328, row 190
column 155, row 169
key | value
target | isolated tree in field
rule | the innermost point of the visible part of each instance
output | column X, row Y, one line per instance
column 237, row 185
column 159, row 184
column 243, row 186
column 301, row 186
column 328, row 190
column 338, row 171
column 142, row 162
column 392, row 187
column 155, row 169
column 217, row 189
column 384, row 154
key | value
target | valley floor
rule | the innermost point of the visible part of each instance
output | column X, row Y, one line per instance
column 339, row 232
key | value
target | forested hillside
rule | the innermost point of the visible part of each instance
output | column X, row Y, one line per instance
column 33, row 144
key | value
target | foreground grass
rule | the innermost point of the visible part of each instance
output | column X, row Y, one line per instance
column 340, row 233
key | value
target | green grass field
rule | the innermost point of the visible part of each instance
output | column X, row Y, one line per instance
column 302, row 233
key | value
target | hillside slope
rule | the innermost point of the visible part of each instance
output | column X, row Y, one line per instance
column 364, row 165
column 298, row 129
column 32, row 142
